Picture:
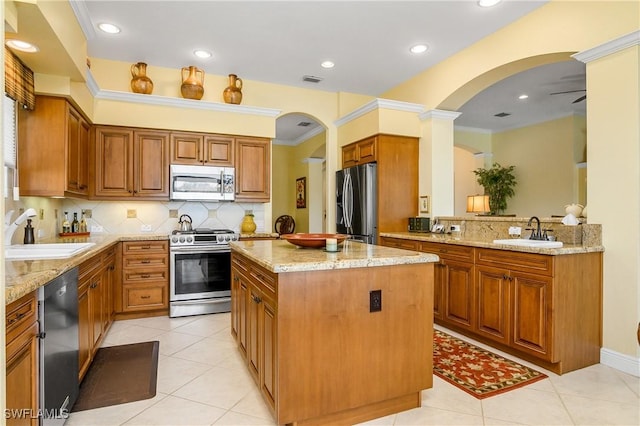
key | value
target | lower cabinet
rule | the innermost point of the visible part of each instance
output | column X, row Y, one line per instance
column 144, row 288
column 547, row 309
column 254, row 325
column 21, row 328
column 96, row 277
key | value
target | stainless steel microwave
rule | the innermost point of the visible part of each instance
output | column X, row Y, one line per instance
column 202, row 183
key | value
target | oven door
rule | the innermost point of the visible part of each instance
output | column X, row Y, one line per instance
column 200, row 273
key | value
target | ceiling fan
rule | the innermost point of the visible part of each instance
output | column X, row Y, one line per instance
column 580, row 99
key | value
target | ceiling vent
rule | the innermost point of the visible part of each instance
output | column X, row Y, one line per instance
column 304, row 124
column 311, row 79
column 502, row 114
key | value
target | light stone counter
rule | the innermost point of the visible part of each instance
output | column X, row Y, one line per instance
column 23, row 276
column 281, row 256
column 488, row 243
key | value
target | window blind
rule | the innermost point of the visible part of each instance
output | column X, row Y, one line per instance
column 18, row 81
column 9, row 131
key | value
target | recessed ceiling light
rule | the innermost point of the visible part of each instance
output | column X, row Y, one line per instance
column 523, row 96
column 22, row 46
column 203, row 54
column 327, row 64
column 419, row 48
column 109, row 28
column 488, row 3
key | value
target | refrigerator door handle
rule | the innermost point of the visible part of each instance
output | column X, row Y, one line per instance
column 349, row 204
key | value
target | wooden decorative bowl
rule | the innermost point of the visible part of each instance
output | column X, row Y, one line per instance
column 312, row 240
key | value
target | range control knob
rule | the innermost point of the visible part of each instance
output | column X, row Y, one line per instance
column 174, row 239
column 227, row 238
column 181, row 239
column 190, row 239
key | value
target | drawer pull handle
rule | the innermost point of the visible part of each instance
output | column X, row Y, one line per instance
column 145, row 297
column 146, row 261
column 145, row 247
column 145, row 276
column 18, row 317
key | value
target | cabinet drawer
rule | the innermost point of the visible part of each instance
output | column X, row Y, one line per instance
column 145, row 296
column 139, row 275
column 517, row 261
column 151, row 261
column 399, row 243
column 134, row 247
column 448, row 251
column 240, row 264
column 263, row 280
column 20, row 315
column 88, row 268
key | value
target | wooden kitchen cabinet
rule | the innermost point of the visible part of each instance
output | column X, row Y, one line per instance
column 253, row 170
column 21, row 332
column 202, row 149
column 255, row 321
column 361, row 152
column 130, row 163
column 59, row 167
column 144, row 286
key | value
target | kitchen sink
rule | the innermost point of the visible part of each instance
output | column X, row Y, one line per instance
column 45, row 251
column 523, row 242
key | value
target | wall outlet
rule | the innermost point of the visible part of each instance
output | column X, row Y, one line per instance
column 375, row 300
column 97, row 229
column 455, row 228
column 515, row 230
column 41, row 214
column 146, row 228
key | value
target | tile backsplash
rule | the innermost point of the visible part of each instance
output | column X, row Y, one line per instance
column 133, row 217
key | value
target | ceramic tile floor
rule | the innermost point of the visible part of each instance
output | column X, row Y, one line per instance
column 203, row 381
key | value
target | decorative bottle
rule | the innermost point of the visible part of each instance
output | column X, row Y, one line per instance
column 140, row 83
column 75, row 224
column 248, row 226
column 83, row 223
column 192, row 83
column 66, row 226
column 233, row 93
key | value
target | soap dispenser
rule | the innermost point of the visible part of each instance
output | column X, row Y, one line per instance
column 28, row 233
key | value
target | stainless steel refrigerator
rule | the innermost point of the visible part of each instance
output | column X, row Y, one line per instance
column 356, row 197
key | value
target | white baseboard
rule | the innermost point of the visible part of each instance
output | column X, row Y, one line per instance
column 622, row 362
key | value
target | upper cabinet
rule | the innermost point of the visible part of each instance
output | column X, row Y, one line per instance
column 203, row 149
column 53, row 150
column 253, row 170
column 130, row 163
column 361, row 152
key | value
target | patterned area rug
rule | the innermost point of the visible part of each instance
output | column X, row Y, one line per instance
column 475, row 370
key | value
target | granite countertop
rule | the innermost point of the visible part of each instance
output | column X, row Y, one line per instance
column 23, row 276
column 451, row 239
column 281, row 256
column 260, row 235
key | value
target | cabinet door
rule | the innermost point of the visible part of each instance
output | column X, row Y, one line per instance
column 218, row 150
column 186, row 148
column 113, row 162
column 532, row 315
column 95, row 311
column 243, row 315
column 108, row 283
column 459, row 300
column 22, row 378
column 494, row 298
column 268, row 354
column 77, row 148
column 367, row 151
column 253, row 176
column 151, row 165
column 85, row 330
column 253, row 332
column 349, row 156
column 439, row 283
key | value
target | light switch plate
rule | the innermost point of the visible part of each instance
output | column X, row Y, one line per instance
column 146, row 228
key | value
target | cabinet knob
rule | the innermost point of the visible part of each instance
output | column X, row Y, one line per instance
column 256, row 299
column 505, row 277
column 236, row 279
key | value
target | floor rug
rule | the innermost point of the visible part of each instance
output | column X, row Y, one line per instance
column 475, row 370
column 119, row 374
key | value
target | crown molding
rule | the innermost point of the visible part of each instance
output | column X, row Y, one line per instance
column 82, row 15
column 312, row 160
column 472, row 129
column 379, row 103
column 311, row 133
column 112, row 95
column 440, row 114
column 615, row 45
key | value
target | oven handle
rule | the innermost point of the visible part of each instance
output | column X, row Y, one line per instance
column 176, row 250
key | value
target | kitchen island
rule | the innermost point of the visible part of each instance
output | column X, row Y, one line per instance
column 334, row 338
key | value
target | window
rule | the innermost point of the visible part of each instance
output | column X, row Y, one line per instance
column 9, row 126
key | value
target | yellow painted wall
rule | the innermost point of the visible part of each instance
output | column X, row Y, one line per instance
column 282, row 191
column 300, row 168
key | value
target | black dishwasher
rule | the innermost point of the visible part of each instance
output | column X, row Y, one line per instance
column 58, row 317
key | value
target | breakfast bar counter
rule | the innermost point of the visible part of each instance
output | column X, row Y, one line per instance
column 334, row 337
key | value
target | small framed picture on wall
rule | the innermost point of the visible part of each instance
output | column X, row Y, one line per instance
column 424, row 204
column 301, row 193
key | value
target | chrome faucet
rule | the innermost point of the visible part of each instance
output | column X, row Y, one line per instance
column 536, row 234
column 10, row 227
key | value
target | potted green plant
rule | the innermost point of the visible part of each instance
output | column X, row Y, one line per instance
column 498, row 183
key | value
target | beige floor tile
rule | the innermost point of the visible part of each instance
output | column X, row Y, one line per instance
column 132, row 334
column 527, row 406
column 598, row 382
column 114, row 415
column 217, row 387
column 434, row 416
column 173, row 411
column 488, row 421
column 238, row 419
column 632, row 381
column 162, row 323
column 209, row 351
column 173, row 373
column 587, row 411
column 205, row 325
column 448, row 397
column 253, row 404
column 172, row 342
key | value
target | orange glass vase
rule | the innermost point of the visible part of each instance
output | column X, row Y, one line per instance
column 192, row 83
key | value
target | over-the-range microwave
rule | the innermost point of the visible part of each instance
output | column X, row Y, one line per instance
column 202, row 183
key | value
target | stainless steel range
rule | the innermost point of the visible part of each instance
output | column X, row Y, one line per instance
column 200, row 262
